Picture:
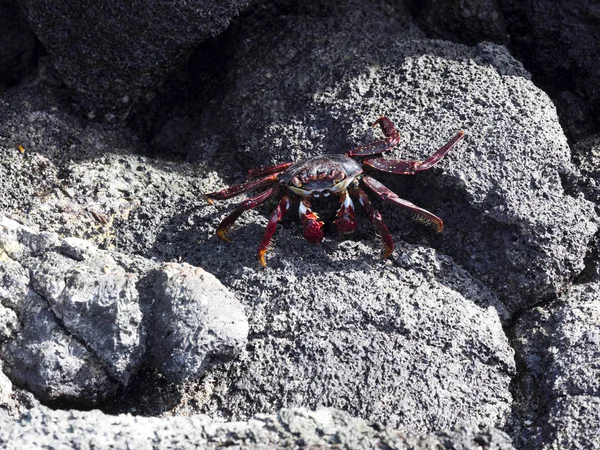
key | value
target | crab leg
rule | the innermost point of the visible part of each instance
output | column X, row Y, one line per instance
column 375, row 216
column 313, row 231
column 276, row 216
column 400, row 166
column 388, row 196
column 392, row 137
column 241, row 188
column 249, row 203
column 345, row 221
column 268, row 170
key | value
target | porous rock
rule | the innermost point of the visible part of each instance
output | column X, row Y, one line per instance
column 288, row 428
column 559, row 390
column 196, row 319
column 72, row 327
column 113, row 56
column 509, row 219
column 336, row 327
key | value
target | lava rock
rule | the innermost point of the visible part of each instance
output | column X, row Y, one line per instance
column 196, row 320
column 72, row 328
column 288, row 428
column 559, row 389
column 17, row 52
column 509, row 219
column 113, row 56
column 97, row 301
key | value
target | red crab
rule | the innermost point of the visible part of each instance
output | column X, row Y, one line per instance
column 339, row 175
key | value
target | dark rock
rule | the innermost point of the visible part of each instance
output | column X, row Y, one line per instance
column 196, row 320
column 465, row 21
column 559, row 44
column 17, row 52
column 559, row 389
column 112, row 55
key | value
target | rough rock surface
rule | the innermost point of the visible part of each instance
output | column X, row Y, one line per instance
column 509, row 219
column 112, row 55
column 421, row 341
column 559, row 345
column 289, row 428
column 72, row 327
column 190, row 328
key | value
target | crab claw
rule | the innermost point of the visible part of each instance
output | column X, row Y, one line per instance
column 313, row 232
column 345, row 221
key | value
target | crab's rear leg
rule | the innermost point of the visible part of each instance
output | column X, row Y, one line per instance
column 401, row 166
column 392, row 137
column 388, row 196
column 375, row 216
column 249, row 203
column 241, row 188
column 268, row 170
column 276, row 216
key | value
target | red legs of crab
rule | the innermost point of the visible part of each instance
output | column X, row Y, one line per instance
column 241, row 188
column 388, row 196
column 276, row 216
column 392, row 137
column 345, row 221
column 400, row 166
column 249, row 203
column 268, row 170
column 313, row 231
column 375, row 216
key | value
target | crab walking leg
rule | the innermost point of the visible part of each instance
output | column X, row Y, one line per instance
column 392, row 137
column 313, row 231
column 276, row 216
column 388, row 196
column 401, row 166
column 345, row 221
column 241, row 188
column 375, row 216
column 249, row 203
column 267, row 170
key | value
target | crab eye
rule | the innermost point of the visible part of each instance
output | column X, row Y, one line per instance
column 296, row 182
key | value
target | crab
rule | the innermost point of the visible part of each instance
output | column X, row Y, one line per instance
column 341, row 175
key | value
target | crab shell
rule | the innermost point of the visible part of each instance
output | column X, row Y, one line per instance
column 321, row 175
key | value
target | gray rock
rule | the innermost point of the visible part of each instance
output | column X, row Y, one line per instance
column 113, row 56
column 97, row 301
column 508, row 217
column 52, row 364
column 416, row 344
column 196, row 319
column 72, row 327
column 559, row 389
column 289, row 428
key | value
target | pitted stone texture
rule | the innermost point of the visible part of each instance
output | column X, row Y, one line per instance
column 416, row 344
column 288, row 428
column 196, row 319
column 559, row 345
column 114, row 56
column 96, row 300
column 508, row 218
